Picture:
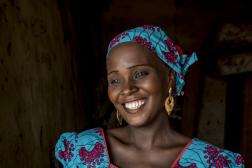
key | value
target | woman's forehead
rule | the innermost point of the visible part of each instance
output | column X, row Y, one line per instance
column 132, row 54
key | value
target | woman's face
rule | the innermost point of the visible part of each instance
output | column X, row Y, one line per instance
column 136, row 83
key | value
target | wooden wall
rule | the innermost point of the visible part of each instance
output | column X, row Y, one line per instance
column 246, row 146
column 39, row 96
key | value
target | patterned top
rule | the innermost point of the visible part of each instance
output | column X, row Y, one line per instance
column 88, row 149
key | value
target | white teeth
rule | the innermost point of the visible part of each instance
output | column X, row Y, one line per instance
column 134, row 104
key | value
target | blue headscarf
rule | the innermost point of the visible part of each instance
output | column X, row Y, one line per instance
column 155, row 39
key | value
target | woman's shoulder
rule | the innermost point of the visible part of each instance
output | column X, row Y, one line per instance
column 201, row 153
column 87, row 148
column 84, row 137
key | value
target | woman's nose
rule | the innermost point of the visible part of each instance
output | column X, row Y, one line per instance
column 129, row 88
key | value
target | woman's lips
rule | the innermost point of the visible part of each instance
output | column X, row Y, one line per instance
column 134, row 106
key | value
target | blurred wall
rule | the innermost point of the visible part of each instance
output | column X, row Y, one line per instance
column 39, row 96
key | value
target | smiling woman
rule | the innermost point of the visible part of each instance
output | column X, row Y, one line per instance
column 136, row 86
column 145, row 70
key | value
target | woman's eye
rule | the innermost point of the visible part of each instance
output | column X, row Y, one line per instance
column 140, row 74
column 114, row 81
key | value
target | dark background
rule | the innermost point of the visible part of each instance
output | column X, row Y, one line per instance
column 53, row 77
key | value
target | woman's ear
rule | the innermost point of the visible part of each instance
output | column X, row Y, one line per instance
column 171, row 78
column 169, row 81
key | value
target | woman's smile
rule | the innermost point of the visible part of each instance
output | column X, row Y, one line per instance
column 134, row 106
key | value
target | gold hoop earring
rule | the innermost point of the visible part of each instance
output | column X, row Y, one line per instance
column 169, row 102
column 119, row 118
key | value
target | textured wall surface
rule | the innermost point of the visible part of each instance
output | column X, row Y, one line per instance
column 38, row 96
column 212, row 112
column 247, row 125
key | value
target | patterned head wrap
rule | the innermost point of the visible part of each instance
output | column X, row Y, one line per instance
column 156, row 40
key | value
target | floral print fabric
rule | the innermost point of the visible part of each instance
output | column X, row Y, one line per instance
column 155, row 39
column 89, row 150
column 200, row 154
column 84, row 150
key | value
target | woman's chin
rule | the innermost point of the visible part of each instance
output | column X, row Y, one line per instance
column 136, row 122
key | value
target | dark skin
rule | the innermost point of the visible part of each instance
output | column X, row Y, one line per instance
column 138, row 85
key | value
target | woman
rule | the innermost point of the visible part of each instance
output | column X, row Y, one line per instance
column 145, row 70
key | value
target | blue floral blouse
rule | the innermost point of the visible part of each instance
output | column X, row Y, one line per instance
column 88, row 149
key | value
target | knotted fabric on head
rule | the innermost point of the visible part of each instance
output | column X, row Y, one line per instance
column 155, row 39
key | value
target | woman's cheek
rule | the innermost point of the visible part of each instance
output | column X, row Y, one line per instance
column 153, row 84
column 112, row 93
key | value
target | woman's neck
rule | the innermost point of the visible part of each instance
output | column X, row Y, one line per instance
column 156, row 134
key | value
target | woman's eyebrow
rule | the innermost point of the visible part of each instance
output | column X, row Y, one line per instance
column 149, row 65
column 114, row 71
column 131, row 67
